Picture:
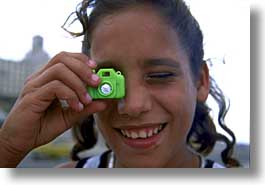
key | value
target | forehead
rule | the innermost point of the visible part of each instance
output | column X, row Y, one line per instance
column 142, row 18
column 136, row 32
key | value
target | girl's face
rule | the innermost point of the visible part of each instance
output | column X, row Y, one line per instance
column 147, row 128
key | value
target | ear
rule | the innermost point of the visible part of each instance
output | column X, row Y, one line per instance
column 203, row 84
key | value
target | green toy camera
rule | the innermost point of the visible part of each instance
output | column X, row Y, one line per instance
column 112, row 85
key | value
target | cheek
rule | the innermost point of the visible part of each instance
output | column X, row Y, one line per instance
column 180, row 102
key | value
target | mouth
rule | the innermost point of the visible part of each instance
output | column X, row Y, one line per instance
column 142, row 137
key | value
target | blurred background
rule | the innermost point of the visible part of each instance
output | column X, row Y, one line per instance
column 31, row 34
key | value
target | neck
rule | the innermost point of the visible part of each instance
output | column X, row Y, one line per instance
column 187, row 159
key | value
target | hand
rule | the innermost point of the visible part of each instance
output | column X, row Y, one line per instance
column 37, row 117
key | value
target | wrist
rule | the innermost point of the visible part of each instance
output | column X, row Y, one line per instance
column 10, row 156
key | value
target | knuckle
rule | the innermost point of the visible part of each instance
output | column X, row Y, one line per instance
column 62, row 54
column 59, row 68
column 65, row 92
column 69, row 96
column 84, row 57
column 27, row 88
column 72, row 97
column 27, row 85
column 56, row 83
column 59, row 56
column 29, row 77
column 60, row 65
column 81, row 56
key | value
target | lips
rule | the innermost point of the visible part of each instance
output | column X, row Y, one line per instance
column 141, row 137
column 141, row 132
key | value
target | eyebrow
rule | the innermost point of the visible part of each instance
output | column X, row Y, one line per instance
column 147, row 63
column 106, row 63
column 162, row 62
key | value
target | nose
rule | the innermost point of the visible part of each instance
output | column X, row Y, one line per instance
column 137, row 100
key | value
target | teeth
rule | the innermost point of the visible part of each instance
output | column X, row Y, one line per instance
column 142, row 133
column 123, row 132
column 127, row 133
column 134, row 135
column 150, row 133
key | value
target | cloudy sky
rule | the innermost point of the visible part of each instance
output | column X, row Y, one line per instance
column 225, row 24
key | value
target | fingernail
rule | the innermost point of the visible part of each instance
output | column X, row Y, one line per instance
column 88, row 98
column 95, row 77
column 92, row 63
column 80, row 106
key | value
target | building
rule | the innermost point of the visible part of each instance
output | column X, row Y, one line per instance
column 14, row 73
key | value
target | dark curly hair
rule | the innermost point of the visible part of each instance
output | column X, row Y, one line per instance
column 202, row 135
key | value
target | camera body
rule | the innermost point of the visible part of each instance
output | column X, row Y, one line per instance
column 112, row 85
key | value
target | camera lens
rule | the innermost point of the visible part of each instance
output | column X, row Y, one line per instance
column 105, row 89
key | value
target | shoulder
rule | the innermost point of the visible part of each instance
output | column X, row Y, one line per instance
column 98, row 161
column 217, row 165
column 212, row 164
column 70, row 164
column 89, row 162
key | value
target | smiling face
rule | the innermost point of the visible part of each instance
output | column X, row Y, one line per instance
column 147, row 128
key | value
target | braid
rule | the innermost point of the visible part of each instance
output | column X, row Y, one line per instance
column 85, row 136
column 203, row 135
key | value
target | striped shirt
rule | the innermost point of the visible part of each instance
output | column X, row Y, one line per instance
column 102, row 161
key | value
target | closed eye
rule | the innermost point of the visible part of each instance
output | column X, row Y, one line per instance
column 161, row 75
column 161, row 78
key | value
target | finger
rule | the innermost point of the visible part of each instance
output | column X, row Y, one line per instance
column 79, row 56
column 94, row 107
column 66, row 76
column 30, row 77
column 45, row 95
column 82, row 57
column 70, row 118
column 61, row 57
column 78, row 63
column 91, row 63
column 67, row 55
column 81, row 69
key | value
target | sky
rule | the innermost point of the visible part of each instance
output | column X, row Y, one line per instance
column 225, row 25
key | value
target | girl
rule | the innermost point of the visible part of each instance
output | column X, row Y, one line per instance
column 163, row 121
